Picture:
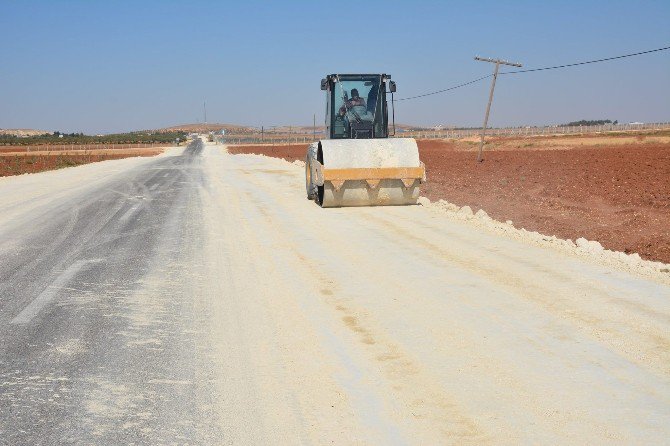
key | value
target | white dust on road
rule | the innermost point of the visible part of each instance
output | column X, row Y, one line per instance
column 428, row 329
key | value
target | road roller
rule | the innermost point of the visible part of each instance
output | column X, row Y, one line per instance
column 358, row 163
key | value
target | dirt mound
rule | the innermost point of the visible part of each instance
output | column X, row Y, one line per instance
column 22, row 132
column 204, row 128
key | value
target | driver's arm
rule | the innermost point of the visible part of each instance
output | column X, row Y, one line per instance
column 343, row 109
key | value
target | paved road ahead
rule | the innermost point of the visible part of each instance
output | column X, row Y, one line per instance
column 200, row 298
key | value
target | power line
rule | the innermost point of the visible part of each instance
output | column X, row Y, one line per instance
column 587, row 62
column 446, row 89
column 531, row 70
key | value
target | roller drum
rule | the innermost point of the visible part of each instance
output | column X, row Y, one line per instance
column 368, row 172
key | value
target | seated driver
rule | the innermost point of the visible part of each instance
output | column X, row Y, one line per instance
column 355, row 100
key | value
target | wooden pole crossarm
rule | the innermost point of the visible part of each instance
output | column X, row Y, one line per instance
column 498, row 62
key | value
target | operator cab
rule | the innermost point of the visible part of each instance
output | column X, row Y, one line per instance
column 356, row 105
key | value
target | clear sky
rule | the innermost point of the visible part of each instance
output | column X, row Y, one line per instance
column 106, row 66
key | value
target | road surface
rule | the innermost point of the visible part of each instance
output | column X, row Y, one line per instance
column 198, row 297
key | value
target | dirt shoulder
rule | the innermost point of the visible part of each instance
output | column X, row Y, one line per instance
column 615, row 193
column 32, row 162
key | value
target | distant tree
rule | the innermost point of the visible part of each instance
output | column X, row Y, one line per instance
column 584, row 122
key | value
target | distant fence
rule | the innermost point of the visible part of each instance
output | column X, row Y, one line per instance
column 457, row 134
column 70, row 147
column 533, row 131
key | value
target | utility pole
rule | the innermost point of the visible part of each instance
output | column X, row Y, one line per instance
column 204, row 107
column 315, row 126
column 498, row 62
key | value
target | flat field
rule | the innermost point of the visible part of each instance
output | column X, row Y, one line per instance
column 611, row 188
column 76, row 147
column 17, row 163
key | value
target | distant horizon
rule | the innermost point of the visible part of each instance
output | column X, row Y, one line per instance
column 423, row 127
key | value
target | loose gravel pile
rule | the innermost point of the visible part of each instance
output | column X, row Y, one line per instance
column 581, row 247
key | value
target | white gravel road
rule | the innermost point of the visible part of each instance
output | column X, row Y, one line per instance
column 302, row 325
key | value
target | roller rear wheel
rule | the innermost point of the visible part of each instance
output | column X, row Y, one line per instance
column 309, row 185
